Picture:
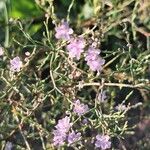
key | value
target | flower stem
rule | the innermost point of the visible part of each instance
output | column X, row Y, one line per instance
column 6, row 44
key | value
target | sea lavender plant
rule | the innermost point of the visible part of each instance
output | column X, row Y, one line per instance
column 48, row 81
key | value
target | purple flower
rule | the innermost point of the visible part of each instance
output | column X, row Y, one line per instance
column 1, row 51
column 62, row 128
column 94, row 61
column 96, row 65
column 102, row 96
column 63, row 31
column 73, row 137
column 80, row 108
column 102, row 141
column 15, row 64
column 64, row 124
column 76, row 47
column 92, row 54
column 59, row 137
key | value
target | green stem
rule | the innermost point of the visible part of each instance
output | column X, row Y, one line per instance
column 69, row 10
column 6, row 44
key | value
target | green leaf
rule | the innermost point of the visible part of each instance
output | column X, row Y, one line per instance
column 24, row 9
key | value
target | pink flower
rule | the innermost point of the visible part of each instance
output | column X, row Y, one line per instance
column 96, row 65
column 59, row 137
column 80, row 108
column 94, row 61
column 73, row 137
column 92, row 54
column 64, row 124
column 102, row 141
column 1, row 51
column 76, row 47
column 62, row 128
column 63, row 31
column 15, row 64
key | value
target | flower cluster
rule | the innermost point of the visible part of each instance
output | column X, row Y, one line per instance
column 15, row 64
column 94, row 61
column 80, row 108
column 102, row 141
column 73, row 137
column 63, row 31
column 62, row 128
column 76, row 47
column 62, row 133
